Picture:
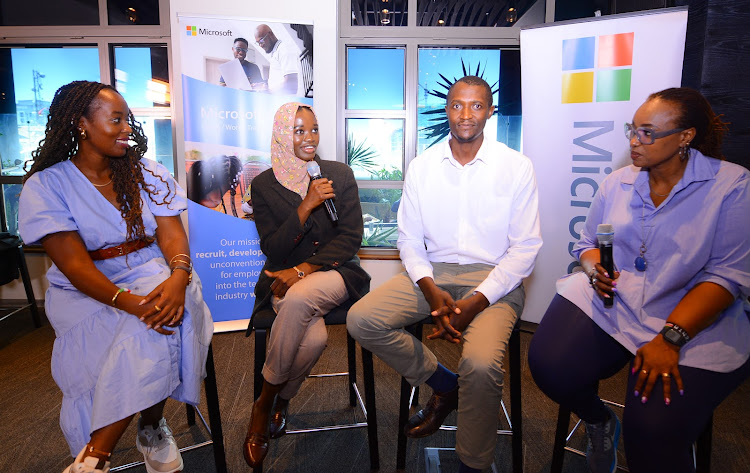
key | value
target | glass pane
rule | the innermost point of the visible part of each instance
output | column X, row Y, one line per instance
column 29, row 78
column 379, row 209
column 142, row 77
column 375, row 78
column 133, row 12
column 375, row 148
column 379, row 12
column 11, row 193
column 500, row 68
column 492, row 13
column 49, row 12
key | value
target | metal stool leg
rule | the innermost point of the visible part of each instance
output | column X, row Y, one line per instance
column 24, row 270
column 403, row 417
column 561, row 433
column 372, row 423
column 214, row 414
column 514, row 349
column 703, row 448
column 351, row 356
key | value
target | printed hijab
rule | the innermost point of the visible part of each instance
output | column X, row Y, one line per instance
column 289, row 170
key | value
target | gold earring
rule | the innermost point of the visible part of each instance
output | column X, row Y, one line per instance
column 83, row 133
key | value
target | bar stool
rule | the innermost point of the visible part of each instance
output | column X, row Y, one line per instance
column 213, row 426
column 262, row 322
column 701, row 448
column 410, row 395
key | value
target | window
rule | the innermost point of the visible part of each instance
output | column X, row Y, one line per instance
column 35, row 62
column 396, row 80
column 142, row 77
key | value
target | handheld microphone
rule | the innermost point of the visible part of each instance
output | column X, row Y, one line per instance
column 314, row 171
column 605, row 235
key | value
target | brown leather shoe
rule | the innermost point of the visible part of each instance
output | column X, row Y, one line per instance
column 278, row 418
column 256, row 445
column 430, row 418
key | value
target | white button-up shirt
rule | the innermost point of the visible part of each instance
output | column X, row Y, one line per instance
column 483, row 212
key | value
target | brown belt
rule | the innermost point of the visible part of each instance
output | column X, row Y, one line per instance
column 120, row 250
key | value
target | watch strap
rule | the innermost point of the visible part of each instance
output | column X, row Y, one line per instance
column 675, row 334
column 300, row 273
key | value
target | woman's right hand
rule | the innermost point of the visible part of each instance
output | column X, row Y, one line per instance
column 131, row 303
column 602, row 282
column 320, row 190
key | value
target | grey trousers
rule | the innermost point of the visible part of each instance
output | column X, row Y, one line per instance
column 299, row 333
column 377, row 322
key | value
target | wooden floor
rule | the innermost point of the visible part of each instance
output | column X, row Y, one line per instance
column 32, row 442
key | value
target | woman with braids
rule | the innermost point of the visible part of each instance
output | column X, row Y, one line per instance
column 680, row 286
column 131, row 325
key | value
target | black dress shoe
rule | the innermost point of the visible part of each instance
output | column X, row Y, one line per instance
column 255, row 447
column 278, row 418
column 428, row 420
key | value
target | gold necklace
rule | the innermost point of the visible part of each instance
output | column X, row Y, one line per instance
column 110, row 182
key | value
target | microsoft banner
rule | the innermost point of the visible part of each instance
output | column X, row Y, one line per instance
column 235, row 73
column 581, row 81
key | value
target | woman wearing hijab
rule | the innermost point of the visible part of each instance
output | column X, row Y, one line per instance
column 311, row 267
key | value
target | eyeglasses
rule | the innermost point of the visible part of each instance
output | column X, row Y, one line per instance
column 263, row 39
column 240, row 50
column 647, row 136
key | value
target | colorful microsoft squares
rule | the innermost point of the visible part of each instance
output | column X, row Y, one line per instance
column 604, row 68
column 192, row 31
column 577, row 87
column 613, row 85
column 616, row 50
column 578, row 53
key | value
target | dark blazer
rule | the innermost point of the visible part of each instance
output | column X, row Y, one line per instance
column 286, row 243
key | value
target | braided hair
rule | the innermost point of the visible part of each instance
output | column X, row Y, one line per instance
column 695, row 112
column 61, row 142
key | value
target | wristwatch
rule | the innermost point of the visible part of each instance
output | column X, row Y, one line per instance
column 675, row 334
column 300, row 273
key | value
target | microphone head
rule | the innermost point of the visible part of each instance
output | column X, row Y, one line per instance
column 605, row 233
column 313, row 169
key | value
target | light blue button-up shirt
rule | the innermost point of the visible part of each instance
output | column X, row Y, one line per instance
column 701, row 232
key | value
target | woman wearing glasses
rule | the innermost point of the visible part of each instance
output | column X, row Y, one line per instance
column 680, row 292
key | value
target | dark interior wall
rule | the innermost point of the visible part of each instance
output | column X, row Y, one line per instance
column 717, row 62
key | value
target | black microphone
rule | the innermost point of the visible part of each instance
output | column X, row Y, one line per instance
column 605, row 234
column 314, row 171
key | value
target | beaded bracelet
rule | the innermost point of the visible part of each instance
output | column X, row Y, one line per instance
column 117, row 294
column 188, row 270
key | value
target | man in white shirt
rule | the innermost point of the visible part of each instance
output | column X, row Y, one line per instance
column 468, row 234
column 284, row 73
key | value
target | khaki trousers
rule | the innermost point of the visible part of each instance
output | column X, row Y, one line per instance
column 299, row 334
column 377, row 321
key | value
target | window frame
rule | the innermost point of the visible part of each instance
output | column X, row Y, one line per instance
column 104, row 37
column 411, row 38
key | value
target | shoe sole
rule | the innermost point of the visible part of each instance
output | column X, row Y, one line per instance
column 151, row 470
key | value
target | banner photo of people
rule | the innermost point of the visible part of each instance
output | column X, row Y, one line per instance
column 235, row 74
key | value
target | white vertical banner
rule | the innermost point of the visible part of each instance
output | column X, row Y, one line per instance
column 580, row 83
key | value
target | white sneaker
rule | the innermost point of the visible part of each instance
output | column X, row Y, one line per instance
column 86, row 465
column 160, row 452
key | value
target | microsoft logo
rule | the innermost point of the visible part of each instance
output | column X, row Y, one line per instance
column 192, row 31
column 602, row 65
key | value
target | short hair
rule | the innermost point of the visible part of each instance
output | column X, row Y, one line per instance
column 475, row 81
column 694, row 111
column 241, row 39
